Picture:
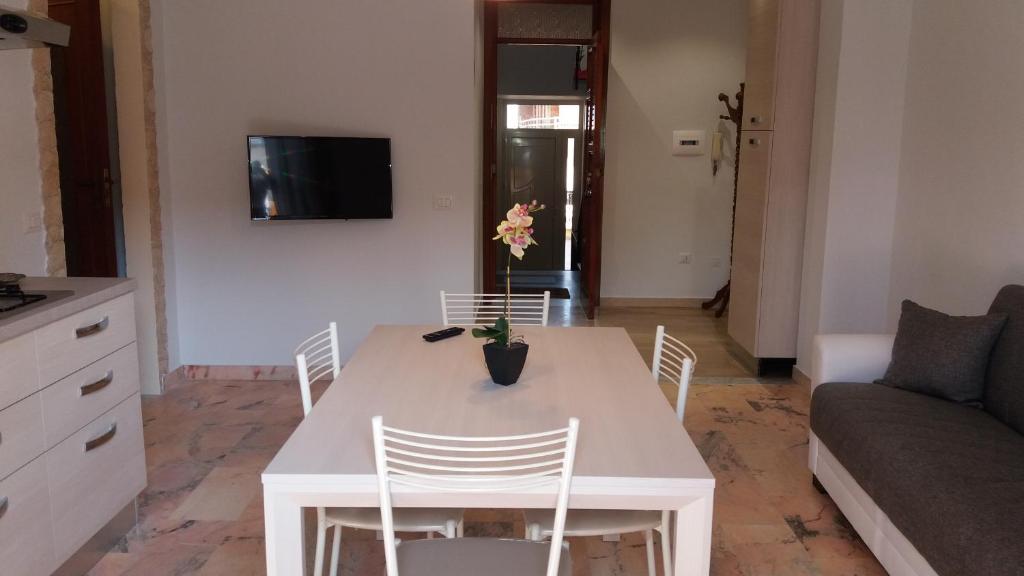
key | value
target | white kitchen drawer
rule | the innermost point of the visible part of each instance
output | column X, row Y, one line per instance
column 21, row 434
column 95, row 473
column 18, row 375
column 26, row 538
column 79, row 340
column 78, row 399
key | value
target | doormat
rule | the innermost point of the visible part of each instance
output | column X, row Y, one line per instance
column 557, row 293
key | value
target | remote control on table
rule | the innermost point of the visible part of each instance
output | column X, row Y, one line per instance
column 442, row 334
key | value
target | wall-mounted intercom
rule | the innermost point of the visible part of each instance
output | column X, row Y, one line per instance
column 689, row 142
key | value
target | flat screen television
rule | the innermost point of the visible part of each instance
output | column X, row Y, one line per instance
column 315, row 178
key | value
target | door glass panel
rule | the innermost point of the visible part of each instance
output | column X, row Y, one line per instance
column 543, row 116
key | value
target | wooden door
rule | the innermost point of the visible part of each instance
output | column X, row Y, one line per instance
column 748, row 244
column 762, row 57
column 80, row 109
column 592, row 202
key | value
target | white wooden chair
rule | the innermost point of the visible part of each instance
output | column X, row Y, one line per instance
column 318, row 357
column 476, row 309
column 475, row 464
column 674, row 361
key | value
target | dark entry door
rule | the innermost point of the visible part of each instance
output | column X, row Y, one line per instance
column 80, row 109
column 533, row 170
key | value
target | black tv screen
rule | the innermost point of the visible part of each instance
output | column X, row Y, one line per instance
column 313, row 177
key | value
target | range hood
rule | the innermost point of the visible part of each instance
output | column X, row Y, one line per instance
column 21, row 29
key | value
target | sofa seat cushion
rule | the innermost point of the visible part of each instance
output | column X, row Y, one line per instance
column 950, row 477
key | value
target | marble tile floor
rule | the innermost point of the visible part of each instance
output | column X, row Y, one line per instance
column 207, row 441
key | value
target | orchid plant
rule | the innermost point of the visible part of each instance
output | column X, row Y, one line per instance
column 516, row 232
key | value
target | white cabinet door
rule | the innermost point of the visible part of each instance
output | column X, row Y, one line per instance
column 21, row 434
column 26, row 536
column 78, row 399
column 18, row 373
column 81, row 339
column 762, row 55
column 748, row 244
column 94, row 474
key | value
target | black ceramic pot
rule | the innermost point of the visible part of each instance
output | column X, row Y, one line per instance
column 505, row 363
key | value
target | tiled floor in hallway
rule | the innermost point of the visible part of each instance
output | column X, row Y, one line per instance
column 208, row 441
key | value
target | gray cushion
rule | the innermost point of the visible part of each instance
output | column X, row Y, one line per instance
column 1004, row 391
column 941, row 355
column 950, row 477
column 483, row 556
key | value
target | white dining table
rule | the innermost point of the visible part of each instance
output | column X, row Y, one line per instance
column 632, row 453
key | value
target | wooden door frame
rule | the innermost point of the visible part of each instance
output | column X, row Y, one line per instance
column 601, row 17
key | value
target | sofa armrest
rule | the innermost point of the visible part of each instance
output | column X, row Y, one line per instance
column 850, row 357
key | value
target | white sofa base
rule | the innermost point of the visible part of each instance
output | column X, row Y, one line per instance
column 892, row 549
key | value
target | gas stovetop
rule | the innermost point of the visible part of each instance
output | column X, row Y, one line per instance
column 12, row 297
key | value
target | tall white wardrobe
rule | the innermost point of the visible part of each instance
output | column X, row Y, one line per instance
column 773, row 177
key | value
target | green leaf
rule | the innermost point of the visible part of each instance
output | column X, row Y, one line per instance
column 487, row 332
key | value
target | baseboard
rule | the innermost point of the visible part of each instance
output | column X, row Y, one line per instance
column 192, row 372
column 607, row 302
column 800, row 378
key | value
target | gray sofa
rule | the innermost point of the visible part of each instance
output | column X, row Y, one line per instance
column 932, row 486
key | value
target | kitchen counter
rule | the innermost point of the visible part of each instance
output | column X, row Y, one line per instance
column 84, row 293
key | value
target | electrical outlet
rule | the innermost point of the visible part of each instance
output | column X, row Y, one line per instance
column 443, row 202
column 716, row 262
column 685, row 258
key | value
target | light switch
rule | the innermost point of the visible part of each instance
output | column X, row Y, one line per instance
column 689, row 142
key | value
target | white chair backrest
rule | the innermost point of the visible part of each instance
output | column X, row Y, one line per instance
column 473, row 464
column 676, row 362
column 315, row 358
column 476, row 309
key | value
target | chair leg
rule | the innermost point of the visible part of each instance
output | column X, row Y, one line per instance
column 649, row 538
column 336, row 551
column 321, row 541
column 430, row 535
column 450, row 528
column 666, row 541
column 460, row 530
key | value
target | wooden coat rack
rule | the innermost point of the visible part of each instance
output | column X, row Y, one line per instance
column 735, row 115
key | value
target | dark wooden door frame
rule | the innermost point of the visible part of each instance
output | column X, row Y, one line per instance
column 601, row 23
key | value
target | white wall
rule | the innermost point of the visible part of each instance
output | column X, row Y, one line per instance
column 669, row 61
column 960, row 219
column 855, row 164
column 20, row 183
column 246, row 293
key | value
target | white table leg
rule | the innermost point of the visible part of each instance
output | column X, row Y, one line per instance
column 282, row 520
column 693, row 538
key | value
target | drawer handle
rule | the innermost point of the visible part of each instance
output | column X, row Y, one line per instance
column 102, row 438
column 3, row 506
column 92, row 328
column 755, row 142
column 98, row 385
column 755, row 119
